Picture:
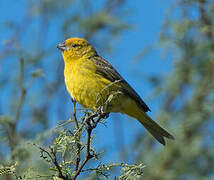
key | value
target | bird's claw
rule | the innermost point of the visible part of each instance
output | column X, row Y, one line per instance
column 101, row 112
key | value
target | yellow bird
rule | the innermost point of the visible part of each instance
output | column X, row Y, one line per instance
column 93, row 82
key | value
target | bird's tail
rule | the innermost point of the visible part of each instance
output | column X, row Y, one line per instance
column 157, row 132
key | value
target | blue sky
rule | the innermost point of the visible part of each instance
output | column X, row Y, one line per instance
column 146, row 19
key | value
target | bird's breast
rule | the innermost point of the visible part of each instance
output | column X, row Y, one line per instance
column 84, row 85
column 92, row 90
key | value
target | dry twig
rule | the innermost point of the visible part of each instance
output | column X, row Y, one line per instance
column 90, row 125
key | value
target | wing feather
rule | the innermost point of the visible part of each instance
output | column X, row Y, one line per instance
column 105, row 69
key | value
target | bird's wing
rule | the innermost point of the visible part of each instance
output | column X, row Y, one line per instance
column 105, row 69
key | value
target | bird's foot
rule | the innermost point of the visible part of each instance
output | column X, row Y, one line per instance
column 102, row 113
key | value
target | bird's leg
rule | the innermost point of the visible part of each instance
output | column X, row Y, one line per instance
column 102, row 113
column 73, row 100
column 106, row 115
column 100, row 109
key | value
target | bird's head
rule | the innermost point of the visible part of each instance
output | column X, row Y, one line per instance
column 74, row 48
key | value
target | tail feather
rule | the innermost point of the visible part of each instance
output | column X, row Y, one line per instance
column 157, row 132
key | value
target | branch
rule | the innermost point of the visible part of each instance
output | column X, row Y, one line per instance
column 90, row 125
column 52, row 156
column 54, row 160
column 78, row 137
column 74, row 113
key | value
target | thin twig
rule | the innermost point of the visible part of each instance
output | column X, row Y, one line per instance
column 78, row 137
column 78, row 130
column 74, row 113
column 88, row 155
column 54, row 160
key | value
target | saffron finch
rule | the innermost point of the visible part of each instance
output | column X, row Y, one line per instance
column 93, row 82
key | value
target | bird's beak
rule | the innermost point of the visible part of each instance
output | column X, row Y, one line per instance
column 62, row 46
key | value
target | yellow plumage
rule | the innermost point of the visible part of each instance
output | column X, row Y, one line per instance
column 94, row 83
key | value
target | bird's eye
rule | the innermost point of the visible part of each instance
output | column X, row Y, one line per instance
column 74, row 45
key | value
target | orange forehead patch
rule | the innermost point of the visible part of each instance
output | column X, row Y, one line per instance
column 76, row 41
